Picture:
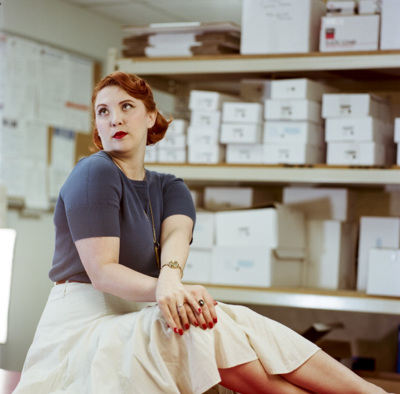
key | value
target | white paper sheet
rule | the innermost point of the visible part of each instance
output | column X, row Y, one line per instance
column 7, row 242
column 63, row 149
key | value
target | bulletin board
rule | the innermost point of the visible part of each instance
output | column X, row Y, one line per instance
column 45, row 118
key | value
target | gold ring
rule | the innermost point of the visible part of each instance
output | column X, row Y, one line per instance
column 201, row 302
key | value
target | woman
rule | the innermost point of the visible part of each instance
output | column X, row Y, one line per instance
column 122, row 237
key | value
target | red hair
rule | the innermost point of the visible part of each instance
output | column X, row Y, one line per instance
column 139, row 89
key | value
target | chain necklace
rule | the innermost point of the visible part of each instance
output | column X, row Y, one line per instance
column 157, row 246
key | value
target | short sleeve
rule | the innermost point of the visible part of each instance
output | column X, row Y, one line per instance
column 177, row 198
column 91, row 198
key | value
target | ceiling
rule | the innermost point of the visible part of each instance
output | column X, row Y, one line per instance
column 143, row 12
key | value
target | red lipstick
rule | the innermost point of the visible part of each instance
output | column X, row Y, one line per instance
column 119, row 134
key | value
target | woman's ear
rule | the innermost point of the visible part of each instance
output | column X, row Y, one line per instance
column 152, row 119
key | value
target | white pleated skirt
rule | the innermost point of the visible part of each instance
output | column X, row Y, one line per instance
column 89, row 342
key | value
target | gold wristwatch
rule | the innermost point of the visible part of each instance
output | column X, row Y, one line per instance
column 173, row 264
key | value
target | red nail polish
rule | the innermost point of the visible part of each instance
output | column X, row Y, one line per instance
column 200, row 310
column 210, row 325
column 176, row 330
column 180, row 331
column 215, row 320
column 204, row 326
column 215, row 302
column 187, row 326
column 196, row 323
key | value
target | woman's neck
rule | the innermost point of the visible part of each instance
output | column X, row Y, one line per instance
column 132, row 170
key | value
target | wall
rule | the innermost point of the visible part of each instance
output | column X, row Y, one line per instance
column 70, row 28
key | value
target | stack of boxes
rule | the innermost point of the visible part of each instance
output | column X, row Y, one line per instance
column 293, row 129
column 204, row 128
column 261, row 247
column 241, row 131
column 331, row 235
column 358, row 129
column 172, row 148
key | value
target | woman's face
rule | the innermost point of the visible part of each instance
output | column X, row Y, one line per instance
column 121, row 120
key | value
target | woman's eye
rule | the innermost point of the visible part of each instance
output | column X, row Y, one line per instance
column 102, row 111
column 126, row 106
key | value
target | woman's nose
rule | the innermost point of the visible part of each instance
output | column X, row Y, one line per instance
column 116, row 119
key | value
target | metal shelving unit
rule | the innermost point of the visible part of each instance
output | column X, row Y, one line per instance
column 384, row 65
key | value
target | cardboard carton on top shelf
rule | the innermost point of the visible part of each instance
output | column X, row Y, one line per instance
column 321, row 203
column 244, row 153
column 255, row 266
column 293, row 132
column 383, row 272
column 390, row 28
column 292, row 153
column 241, row 112
column 299, row 88
column 349, row 33
column 370, row 7
column 173, row 141
column 266, row 25
column 340, row 7
column 375, row 232
column 241, row 133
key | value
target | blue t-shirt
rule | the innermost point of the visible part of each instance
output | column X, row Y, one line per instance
column 99, row 200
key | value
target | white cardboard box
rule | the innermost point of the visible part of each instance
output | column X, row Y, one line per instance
column 177, row 126
column 355, row 153
column 255, row 266
column 242, row 112
column 206, row 154
column 292, row 153
column 321, row 203
column 198, row 266
column 208, row 100
column 356, row 105
column 171, row 155
column 202, row 118
column 244, row 153
column 299, row 88
column 397, row 130
column 331, row 254
column 390, row 27
column 266, row 23
column 151, row 155
column 201, row 135
column 279, row 227
column 204, row 230
column 173, row 141
column 375, row 232
column 355, row 129
column 302, row 132
column 349, row 33
column 384, row 272
column 220, row 198
column 256, row 90
column 241, row 133
column 301, row 109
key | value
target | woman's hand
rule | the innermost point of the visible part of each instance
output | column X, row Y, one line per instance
column 180, row 305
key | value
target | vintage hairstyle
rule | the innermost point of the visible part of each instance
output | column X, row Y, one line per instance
column 139, row 89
